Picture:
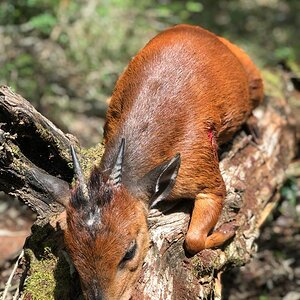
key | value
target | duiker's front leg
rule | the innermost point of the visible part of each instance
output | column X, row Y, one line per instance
column 206, row 212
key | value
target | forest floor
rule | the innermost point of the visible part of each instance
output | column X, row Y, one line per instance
column 274, row 271
column 16, row 220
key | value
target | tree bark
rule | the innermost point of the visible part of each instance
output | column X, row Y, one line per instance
column 30, row 146
column 253, row 168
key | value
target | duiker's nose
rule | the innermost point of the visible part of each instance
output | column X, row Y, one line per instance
column 95, row 294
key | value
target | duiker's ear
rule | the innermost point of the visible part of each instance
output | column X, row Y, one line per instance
column 160, row 180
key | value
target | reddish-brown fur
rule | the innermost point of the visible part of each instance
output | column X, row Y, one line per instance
column 185, row 92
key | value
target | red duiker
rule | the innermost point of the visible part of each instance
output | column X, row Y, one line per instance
column 183, row 94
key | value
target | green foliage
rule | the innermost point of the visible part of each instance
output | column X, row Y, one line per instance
column 20, row 11
column 194, row 7
column 178, row 11
column 289, row 191
column 67, row 55
column 285, row 53
column 263, row 297
column 43, row 22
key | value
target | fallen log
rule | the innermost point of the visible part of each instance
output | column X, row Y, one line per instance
column 253, row 168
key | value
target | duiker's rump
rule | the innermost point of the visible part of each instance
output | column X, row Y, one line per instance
column 183, row 94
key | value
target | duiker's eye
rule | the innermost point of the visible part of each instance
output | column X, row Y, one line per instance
column 130, row 253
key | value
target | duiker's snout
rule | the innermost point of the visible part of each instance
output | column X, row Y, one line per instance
column 97, row 294
column 94, row 293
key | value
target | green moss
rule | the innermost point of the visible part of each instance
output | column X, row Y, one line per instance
column 213, row 260
column 49, row 276
column 40, row 285
column 203, row 266
column 272, row 83
column 198, row 266
column 295, row 67
column 91, row 157
column 235, row 256
column 18, row 163
column 46, row 135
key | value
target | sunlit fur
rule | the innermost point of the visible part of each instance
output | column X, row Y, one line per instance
column 186, row 92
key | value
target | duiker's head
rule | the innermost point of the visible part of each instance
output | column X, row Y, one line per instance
column 107, row 234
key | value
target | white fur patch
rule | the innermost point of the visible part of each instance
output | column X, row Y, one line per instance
column 93, row 218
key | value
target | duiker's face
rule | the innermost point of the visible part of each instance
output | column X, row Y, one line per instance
column 107, row 234
column 108, row 245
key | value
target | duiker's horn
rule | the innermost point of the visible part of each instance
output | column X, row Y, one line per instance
column 79, row 174
column 116, row 173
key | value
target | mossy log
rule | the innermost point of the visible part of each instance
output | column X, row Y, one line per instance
column 253, row 168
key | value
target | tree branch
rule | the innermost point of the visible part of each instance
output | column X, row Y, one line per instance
column 30, row 146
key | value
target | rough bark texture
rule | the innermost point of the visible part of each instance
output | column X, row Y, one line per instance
column 253, row 170
column 30, row 145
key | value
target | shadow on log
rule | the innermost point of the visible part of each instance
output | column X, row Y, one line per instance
column 253, row 169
